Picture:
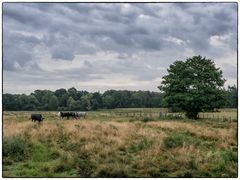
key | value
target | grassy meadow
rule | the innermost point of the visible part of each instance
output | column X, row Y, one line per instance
column 108, row 145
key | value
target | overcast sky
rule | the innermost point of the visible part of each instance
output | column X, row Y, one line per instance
column 101, row 46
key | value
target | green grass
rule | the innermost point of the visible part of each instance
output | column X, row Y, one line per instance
column 176, row 140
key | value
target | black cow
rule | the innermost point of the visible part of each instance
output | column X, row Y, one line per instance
column 36, row 117
column 67, row 114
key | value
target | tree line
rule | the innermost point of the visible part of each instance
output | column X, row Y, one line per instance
column 72, row 99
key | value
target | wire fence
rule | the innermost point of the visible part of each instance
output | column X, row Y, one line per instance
column 216, row 116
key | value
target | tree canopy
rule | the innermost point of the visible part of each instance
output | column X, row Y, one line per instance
column 194, row 85
column 72, row 99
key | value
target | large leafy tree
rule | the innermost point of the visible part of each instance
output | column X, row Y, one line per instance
column 193, row 85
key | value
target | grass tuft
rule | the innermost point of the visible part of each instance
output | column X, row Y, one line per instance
column 143, row 144
column 173, row 141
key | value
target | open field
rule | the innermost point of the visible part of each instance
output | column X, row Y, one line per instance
column 107, row 145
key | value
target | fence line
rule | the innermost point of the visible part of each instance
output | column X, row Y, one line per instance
column 166, row 115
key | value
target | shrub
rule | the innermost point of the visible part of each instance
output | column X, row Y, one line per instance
column 15, row 148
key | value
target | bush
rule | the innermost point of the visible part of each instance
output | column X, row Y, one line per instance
column 15, row 148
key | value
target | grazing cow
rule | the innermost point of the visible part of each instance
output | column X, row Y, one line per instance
column 80, row 114
column 36, row 117
column 67, row 114
column 72, row 114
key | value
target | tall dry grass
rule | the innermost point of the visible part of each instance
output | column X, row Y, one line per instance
column 205, row 132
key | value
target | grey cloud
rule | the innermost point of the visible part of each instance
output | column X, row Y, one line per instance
column 8, row 65
column 223, row 15
column 150, row 44
column 28, row 15
column 62, row 53
column 116, row 31
column 17, row 50
column 229, row 70
column 66, row 30
column 183, row 6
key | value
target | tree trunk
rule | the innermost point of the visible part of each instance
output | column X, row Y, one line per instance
column 192, row 115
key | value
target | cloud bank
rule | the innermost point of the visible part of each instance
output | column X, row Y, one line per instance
column 100, row 46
